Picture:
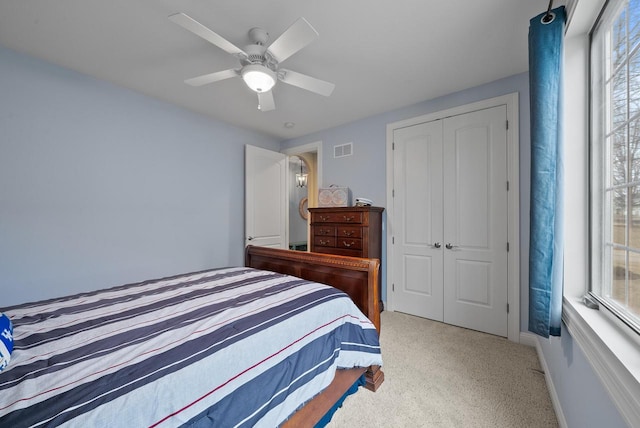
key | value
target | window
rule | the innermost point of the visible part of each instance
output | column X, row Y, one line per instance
column 615, row 216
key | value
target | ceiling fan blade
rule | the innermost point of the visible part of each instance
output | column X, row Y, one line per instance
column 265, row 101
column 211, row 77
column 307, row 82
column 297, row 36
column 200, row 30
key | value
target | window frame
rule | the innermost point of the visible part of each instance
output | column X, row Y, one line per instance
column 601, row 110
column 604, row 340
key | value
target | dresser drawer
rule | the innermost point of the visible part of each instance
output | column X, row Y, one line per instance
column 337, row 217
column 324, row 241
column 349, row 232
column 324, row 231
column 338, row 251
column 349, row 243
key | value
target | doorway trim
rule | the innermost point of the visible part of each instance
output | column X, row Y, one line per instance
column 513, row 197
column 315, row 147
column 306, row 148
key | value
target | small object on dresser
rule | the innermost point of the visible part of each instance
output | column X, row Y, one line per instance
column 334, row 196
column 363, row 202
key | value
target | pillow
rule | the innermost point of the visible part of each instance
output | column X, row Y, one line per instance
column 6, row 340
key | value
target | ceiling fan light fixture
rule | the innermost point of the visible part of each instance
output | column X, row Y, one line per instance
column 258, row 77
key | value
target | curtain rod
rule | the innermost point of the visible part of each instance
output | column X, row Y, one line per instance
column 549, row 16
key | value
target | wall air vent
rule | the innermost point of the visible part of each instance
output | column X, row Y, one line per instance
column 343, row 150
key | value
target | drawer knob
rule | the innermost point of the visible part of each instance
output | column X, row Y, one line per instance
column 324, row 218
column 347, row 233
column 349, row 218
column 323, row 242
column 346, row 244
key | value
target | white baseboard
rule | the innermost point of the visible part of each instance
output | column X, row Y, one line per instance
column 528, row 339
column 531, row 339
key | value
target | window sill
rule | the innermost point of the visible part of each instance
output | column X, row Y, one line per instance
column 613, row 354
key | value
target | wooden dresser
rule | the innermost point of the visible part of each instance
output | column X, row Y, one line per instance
column 348, row 231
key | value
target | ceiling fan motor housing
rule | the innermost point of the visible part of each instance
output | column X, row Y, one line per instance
column 258, row 54
column 255, row 54
column 258, row 69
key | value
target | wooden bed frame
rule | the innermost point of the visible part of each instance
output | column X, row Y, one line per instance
column 358, row 277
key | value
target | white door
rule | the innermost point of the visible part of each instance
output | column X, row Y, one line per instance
column 475, row 220
column 418, row 236
column 450, row 237
column 265, row 198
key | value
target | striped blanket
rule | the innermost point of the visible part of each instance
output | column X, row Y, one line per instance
column 223, row 347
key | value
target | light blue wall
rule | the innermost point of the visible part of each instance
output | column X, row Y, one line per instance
column 100, row 185
column 585, row 403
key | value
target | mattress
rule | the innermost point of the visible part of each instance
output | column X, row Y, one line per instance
column 222, row 347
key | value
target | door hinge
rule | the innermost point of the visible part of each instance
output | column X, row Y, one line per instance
column 393, row 240
column 507, row 247
column 507, row 125
column 507, row 308
column 393, row 287
column 393, row 193
column 507, row 185
column 393, row 145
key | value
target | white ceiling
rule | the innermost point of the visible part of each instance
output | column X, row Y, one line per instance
column 381, row 54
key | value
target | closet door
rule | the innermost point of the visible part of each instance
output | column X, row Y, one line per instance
column 475, row 220
column 450, row 226
column 418, row 234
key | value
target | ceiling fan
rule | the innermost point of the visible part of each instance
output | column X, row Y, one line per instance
column 260, row 64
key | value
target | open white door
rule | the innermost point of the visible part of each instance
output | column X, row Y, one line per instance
column 265, row 198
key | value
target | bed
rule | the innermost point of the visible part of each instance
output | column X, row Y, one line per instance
column 267, row 344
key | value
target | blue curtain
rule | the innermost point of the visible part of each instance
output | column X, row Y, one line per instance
column 546, row 234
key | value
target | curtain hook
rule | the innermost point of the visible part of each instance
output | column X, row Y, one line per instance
column 549, row 16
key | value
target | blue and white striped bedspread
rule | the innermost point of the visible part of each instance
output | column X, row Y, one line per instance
column 225, row 347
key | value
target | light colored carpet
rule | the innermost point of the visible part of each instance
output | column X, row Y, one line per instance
column 438, row 375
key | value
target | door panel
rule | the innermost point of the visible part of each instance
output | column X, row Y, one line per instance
column 475, row 224
column 472, row 183
column 265, row 198
column 418, row 196
column 418, row 267
column 470, row 271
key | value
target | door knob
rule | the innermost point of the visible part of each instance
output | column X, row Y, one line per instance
column 450, row 247
column 250, row 238
column 437, row 245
